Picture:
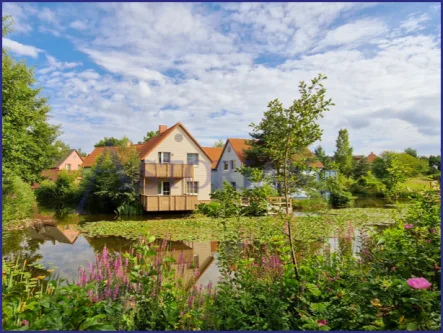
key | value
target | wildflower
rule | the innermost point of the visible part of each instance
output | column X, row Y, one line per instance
column 322, row 322
column 418, row 283
column 376, row 302
column 190, row 301
column 436, row 267
column 429, row 241
column 90, row 295
column 25, row 322
column 408, row 226
column 393, row 268
column 126, row 262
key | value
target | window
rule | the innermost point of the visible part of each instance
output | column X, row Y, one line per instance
column 234, row 185
column 193, row 159
column 192, row 187
column 232, row 165
column 225, row 166
column 68, row 166
column 164, row 188
column 164, row 157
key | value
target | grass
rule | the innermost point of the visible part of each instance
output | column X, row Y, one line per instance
column 417, row 183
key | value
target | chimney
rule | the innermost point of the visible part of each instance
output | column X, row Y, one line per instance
column 162, row 128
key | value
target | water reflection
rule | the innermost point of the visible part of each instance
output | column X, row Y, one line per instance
column 65, row 249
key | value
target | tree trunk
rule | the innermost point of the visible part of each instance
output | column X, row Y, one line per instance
column 288, row 216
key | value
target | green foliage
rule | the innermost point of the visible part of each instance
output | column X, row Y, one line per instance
column 62, row 196
column 18, row 199
column 338, row 188
column 113, row 180
column 149, row 135
column 361, row 168
column 35, row 303
column 434, row 163
column 322, row 157
column 219, row 144
column 112, row 142
column 411, row 152
column 229, row 199
column 61, row 151
column 286, row 132
column 343, row 154
column 27, row 136
column 212, row 209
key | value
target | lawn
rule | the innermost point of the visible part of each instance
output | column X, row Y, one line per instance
column 417, row 183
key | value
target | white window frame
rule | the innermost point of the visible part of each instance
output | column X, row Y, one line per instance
column 68, row 168
column 194, row 186
column 161, row 157
column 225, row 163
column 162, row 189
column 233, row 164
column 187, row 159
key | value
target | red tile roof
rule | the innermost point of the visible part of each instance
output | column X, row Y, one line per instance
column 215, row 154
column 142, row 149
column 372, row 157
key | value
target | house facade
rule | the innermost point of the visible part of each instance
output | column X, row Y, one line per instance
column 232, row 157
column 176, row 171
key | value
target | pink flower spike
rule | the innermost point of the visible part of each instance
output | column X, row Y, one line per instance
column 322, row 322
column 418, row 283
column 408, row 226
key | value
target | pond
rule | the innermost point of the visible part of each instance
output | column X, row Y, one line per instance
column 59, row 244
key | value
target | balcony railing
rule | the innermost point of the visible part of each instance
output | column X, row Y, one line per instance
column 169, row 170
column 163, row 203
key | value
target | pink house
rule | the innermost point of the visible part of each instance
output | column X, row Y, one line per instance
column 71, row 162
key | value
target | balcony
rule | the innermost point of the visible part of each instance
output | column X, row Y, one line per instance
column 169, row 170
column 164, row 203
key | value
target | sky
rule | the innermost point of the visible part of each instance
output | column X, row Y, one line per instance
column 115, row 69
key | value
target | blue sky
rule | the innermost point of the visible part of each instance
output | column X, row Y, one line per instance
column 114, row 69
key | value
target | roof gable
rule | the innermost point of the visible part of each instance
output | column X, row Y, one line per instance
column 151, row 144
column 239, row 146
column 62, row 160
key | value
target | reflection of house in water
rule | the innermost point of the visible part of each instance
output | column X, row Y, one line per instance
column 199, row 254
column 61, row 233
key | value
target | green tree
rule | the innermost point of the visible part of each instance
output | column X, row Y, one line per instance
column 219, row 144
column 435, row 162
column 361, row 168
column 411, row 152
column 27, row 137
column 61, row 150
column 149, row 135
column 343, row 153
column 285, row 132
column 112, row 142
column 113, row 181
column 325, row 159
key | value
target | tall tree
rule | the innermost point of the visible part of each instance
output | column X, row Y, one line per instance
column 434, row 162
column 219, row 144
column 411, row 152
column 27, row 136
column 112, row 142
column 285, row 132
column 361, row 168
column 149, row 135
column 343, row 153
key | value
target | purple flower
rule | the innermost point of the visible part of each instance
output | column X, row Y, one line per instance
column 25, row 322
column 418, row 283
column 322, row 322
column 90, row 295
column 126, row 262
column 408, row 226
column 190, row 301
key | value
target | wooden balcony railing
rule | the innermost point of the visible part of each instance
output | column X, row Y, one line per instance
column 163, row 203
column 169, row 170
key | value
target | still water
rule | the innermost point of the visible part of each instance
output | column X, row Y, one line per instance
column 58, row 244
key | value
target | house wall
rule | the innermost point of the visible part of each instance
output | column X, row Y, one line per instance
column 72, row 159
column 179, row 151
column 230, row 175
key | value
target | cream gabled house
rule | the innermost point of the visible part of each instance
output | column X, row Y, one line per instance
column 176, row 171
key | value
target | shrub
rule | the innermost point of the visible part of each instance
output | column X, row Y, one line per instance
column 62, row 195
column 18, row 199
column 212, row 209
column 339, row 195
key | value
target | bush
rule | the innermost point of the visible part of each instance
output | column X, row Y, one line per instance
column 63, row 195
column 212, row 209
column 18, row 199
column 339, row 195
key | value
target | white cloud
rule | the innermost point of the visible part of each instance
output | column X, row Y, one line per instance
column 352, row 33
column 20, row 49
column 55, row 65
column 388, row 96
column 414, row 23
column 79, row 25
